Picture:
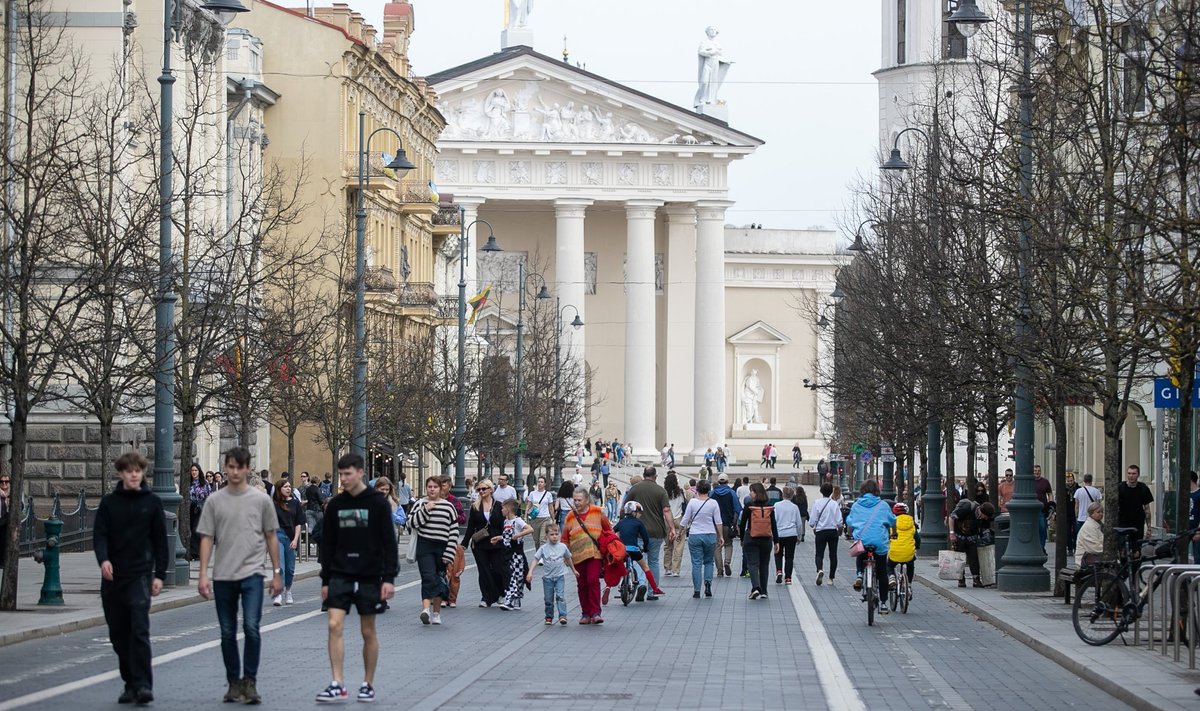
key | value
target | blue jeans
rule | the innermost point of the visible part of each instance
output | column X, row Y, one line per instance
column 287, row 557
column 1042, row 529
column 226, row 593
column 554, row 592
column 701, row 547
column 1195, row 551
column 654, row 559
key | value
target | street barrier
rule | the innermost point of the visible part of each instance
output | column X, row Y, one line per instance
column 76, row 531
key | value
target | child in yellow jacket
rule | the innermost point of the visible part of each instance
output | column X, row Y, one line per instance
column 906, row 539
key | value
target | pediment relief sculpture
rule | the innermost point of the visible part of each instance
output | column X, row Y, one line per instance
column 541, row 111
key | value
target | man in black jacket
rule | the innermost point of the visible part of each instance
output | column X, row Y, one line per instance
column 359, row 563
column 130, row 541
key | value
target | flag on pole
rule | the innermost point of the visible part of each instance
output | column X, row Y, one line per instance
column 477, row 302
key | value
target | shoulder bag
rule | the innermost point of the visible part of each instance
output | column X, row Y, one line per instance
column 856, row 548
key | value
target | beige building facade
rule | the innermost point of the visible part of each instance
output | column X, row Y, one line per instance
column 694, row 331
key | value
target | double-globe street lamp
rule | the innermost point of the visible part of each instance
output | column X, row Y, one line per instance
column 460, row 417
column 543, row 294
column 1024, row 564
column 933, row 524
column 576, row 323
column 400, row 165
column 164, row 310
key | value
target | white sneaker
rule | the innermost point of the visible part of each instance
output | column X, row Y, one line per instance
column 425, row 616
column 287, row 598
column 435, row 618
column 277, row 601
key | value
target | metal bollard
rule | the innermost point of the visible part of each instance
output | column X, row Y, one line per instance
column 1182, row 582
column 52, row 593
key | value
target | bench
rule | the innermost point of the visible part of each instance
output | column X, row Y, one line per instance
column 1066, row 577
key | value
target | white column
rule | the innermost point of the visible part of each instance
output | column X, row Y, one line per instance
column 678, row 369
column 640, row 360
column 569, row 276
column 470, row 207
column 711, row 380
column 1145, row 462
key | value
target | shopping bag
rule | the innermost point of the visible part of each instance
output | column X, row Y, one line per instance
column 987, row 565
column 950, row 564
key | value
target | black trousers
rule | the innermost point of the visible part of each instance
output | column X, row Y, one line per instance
column 828, row 537
column 493, row 573
column 126, row 603
column 757, row 552
column 786, row 555
column 972, row 551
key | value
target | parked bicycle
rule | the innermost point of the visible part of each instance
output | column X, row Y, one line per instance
column 1107, row 603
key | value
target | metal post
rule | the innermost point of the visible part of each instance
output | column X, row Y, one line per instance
column 358, row 437
column 517, row 460
column 557, row 385
column 889, row 481
column 460, row 417
column 164, row 318
column 1024, row 564
column 1159, row 482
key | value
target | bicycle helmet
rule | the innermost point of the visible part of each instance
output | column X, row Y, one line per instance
column 900, row 509
column 632, row 507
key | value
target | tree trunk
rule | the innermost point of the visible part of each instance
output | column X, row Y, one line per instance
column 1064, row 517
column 8, row 587
column 993, row 438
column 291, row 457
column 972, row 447
column 105, row 446
column 1112, row 475
column 187, row 435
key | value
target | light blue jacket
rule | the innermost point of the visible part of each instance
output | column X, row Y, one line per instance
column 871, row 520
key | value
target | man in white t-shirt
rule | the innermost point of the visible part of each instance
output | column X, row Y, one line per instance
column 1084, row 495
column 541, row 501
column 743, row 491
column 503, row 491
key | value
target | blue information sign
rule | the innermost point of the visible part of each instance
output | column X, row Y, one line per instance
column 1166, row 395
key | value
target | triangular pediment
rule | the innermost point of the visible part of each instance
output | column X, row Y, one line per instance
column 520, row 96
column 760, row 332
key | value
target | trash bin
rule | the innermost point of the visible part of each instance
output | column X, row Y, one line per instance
column 1003, row 527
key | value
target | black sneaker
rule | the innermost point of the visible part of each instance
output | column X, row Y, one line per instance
column 779, row 578
column 640, row 595
column 335, row 693
column 366, row 693
column 127, row 696
column 144, row 696
column 728, row 572
column 695, row 594
column 708, row 589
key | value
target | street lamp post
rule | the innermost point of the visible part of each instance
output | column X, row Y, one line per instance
column 542, row 294
column 460, row 417
column 576, row 323
column 933, row 524
column 401, row 165
column 1024, row 563
column 164, row 309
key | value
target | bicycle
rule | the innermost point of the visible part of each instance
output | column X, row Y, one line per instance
column 870, row 594
column 899, row 594
column 1106, row 605
column 629, row 585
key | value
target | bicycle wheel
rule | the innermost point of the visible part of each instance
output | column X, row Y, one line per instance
column 905, row 586
column 626, row 590
column 869, row 591
column 1099, row 610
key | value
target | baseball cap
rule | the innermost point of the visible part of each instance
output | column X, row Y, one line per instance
column 723, row 477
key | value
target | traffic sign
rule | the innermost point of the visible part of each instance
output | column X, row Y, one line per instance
column 1166, row 395
column 866, row 456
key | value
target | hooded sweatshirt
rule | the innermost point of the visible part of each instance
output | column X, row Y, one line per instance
column 359, row 539
column 871, row 520
column 906, row 540
column 727, row 499
column 131, row 532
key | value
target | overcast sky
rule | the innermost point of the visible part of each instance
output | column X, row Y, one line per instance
column 801, row 78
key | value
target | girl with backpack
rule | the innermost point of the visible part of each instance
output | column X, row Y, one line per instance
column 760, row 538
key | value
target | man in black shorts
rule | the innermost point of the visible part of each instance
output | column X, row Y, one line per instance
column 359, row 563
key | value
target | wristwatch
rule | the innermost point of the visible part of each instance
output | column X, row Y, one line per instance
column 278, row 571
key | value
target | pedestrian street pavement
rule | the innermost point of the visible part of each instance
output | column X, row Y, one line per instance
column 806, row 647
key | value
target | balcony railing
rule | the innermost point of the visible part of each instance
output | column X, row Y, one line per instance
column 415, row 191
column 447, row 215
column 418, row 293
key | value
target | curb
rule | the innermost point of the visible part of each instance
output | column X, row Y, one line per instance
column 1060, row 658
column 53, row 630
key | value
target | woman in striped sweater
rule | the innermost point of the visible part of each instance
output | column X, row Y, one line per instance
column 435, row 523
column 582, row 532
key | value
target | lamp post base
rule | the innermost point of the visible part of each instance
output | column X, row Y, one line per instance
column 934, row 534
column 1024, row 563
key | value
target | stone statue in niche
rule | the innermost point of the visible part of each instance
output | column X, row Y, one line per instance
column 712, row 66
column 589, row 273
column 752, row 397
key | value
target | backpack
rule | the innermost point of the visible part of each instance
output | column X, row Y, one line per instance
column 760, row 521
column 326, row 489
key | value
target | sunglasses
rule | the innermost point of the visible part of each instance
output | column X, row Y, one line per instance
column 486, row 488
column 5, row 481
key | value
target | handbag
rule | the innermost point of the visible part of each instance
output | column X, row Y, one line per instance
column 410, row 555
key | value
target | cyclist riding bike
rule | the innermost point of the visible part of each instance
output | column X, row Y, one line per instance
column 632, row 532
column 871, row 521
column 906, row 540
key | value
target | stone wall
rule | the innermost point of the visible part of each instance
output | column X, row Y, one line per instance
column 64, row 458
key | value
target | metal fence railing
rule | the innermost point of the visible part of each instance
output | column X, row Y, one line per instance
column 77, row 524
